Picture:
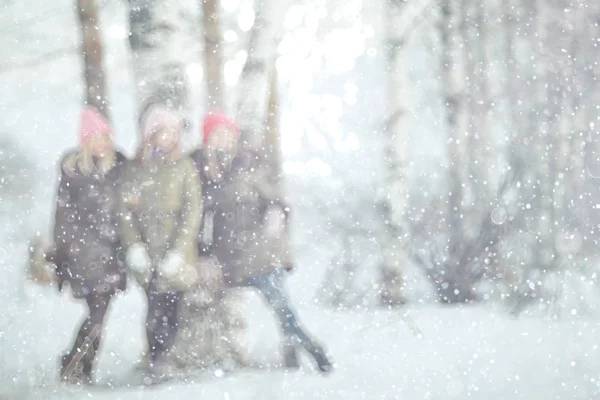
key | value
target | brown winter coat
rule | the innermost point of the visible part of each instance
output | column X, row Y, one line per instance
column 86, row 235
column 232, row 226
column 161, row 206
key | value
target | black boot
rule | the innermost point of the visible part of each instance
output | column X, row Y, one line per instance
column 271, row 287
column 317, row 352
column 160, row 370
column 75, row 372
column 76, row 366
column 290, row 355
column 324, row 364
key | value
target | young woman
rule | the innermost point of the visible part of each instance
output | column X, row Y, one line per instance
column 245, row 227
column 161, row 207
column 86, row 235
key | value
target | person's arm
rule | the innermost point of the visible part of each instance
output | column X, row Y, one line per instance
column 274, row 207
column 136, row 253
column 128, row 225
column 65, row 206
column 270, row 194
column 191, row 213
column 276, row 218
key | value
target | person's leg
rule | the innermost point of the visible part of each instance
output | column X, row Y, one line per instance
column 271, row 286
column 161, row 323
column 77, row 364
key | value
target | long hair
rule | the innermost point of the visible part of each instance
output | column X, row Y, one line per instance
column 83, row 161
column 144, row 151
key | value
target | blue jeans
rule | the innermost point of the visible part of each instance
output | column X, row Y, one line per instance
column 162, row 321
column 270, row 284
column 91, row 329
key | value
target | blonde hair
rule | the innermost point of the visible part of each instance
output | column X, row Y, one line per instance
column 145, row 148
column 83, row 160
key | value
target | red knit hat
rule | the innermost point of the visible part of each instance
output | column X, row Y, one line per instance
column 214, row 119
column 92, row 123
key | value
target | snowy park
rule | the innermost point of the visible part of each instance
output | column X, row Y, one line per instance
column 439, row 163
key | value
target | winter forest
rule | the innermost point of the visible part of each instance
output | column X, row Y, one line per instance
column 425, row 172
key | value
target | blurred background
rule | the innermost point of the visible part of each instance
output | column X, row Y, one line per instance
column 442, row 156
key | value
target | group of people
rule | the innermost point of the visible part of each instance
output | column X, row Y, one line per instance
column 157, row 218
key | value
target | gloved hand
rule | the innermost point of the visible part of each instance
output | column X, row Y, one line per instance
column 138, row 259
column 289, row 267
column 171, row 265
column 274, row 222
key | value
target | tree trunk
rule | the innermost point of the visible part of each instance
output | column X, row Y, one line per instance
column 156, row 39
column 518, row 132
column 514, row 73
column 273, row 134
column 254, row 83
column 394, row 230
column 543, row 139
column 484, row 158
column 476, row 98
column 592, row 116
column 471, row 92
column 91, row 41
column 580, row 103
column 452, row 287
column 453, row 88
column 213, row 59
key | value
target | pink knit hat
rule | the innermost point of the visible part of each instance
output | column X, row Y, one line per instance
column 157, row 117
column 92, row 123
column 215, row 119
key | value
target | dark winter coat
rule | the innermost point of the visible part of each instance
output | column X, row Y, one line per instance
column 161, row 206
column 87, row 247
column 232, row 223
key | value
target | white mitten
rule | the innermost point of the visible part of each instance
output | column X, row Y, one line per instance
column 274, row 222
column 171, row 265
column 138, row 259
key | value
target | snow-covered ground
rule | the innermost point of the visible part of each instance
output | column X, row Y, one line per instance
column 472, row 352
column 463, row 351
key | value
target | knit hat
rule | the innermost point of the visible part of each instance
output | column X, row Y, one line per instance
column 158, row 117
column 92, row 123
column 214, row 119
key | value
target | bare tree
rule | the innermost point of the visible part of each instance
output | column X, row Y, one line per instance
column 476, row 39
column 555, row 239
column 394, row 202
column 213, row 59
column 456, row 244
column 158, row 30
column 273, row 133
column 91, row 41
column 254, row 83
column 529, row 229
column 454, row 283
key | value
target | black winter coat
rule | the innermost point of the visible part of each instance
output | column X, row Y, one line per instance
column 87, row 246
column 234, row 210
